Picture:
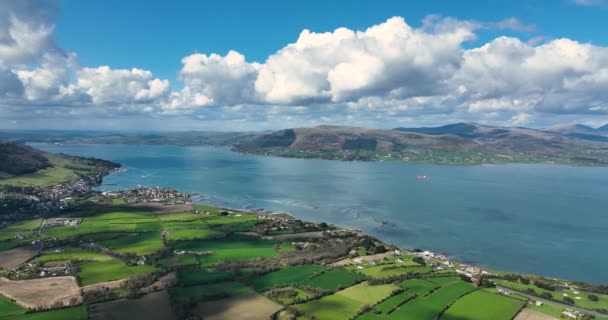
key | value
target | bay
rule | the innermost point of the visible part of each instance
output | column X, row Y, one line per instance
column 541, row 219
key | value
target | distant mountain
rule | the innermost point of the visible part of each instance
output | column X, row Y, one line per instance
column 18, row 159
column 338, row 138
column 580, row 131
column 603, row 128
column 461, row 143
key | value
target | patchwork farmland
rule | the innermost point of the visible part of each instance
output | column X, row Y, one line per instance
column 121, row 262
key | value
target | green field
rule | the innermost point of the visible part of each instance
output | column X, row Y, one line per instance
column 346, row 303
column 334, row 279
column 61, row 170
column 74, row 254
column 232, row 248
column 428, row 307
column 194, row 234
column 299, row 295
column 385, row 271
column 179, row 261
column 481, row 305
column 142, row 244
column 153, row 306
column 8, row 307
column 442, row 281
column 24, row 228
column 76, row 313
column 189, row 277
column 214, row 291
column 418, row 286
column 284, row 277
column 102, row 271
column 392, row 302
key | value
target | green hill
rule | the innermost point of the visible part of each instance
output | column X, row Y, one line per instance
column 16, row 159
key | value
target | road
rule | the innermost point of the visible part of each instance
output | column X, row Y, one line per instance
column 529, row 296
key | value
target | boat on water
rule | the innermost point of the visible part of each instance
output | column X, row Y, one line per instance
column 422, row 177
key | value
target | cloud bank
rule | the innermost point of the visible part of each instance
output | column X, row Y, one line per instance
column 386, row 74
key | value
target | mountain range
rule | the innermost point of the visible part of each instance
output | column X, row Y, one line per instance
column 460, row 143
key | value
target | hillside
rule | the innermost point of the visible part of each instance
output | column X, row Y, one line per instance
column 580, row 131
column 18, row 159
column 32, row 180
column 462, row 143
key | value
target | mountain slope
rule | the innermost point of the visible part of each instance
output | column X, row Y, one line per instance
column 580, row 131
column 18, row 159
column 462, row 143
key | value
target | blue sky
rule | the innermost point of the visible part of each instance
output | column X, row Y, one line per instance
column 181, row 65
column 151, row 34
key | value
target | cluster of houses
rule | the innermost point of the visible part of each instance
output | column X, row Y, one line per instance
column 47, row 200
column 33, row 269
column 143, row 194
column 56, row 222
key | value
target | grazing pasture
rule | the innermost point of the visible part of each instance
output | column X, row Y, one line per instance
column 74, row 254
column 189, row 277
column 231, row 248
column 418, row 286
column 193, row 234
column 334, row 279
column 215, row 291
column 141, row 244
column 76, row 313
column 102, row 271
column 428, row 307
column 392, row 302
column 481, row 305
column 251, row 306
column 346, row 303
column 286, row 276
column 386, row 271
column 8, row 307
column 153, row 306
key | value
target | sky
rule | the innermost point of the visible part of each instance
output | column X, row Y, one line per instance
column 257, row 65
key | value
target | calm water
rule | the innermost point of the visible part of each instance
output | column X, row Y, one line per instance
column 542, row 219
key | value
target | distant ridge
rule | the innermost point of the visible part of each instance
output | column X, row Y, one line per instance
column 460, row 143
column 18, row 159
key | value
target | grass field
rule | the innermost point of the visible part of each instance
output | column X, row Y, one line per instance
column 385, row 271
column 142, row 244
column 8, row 307
column 57, row 173
column 346, row 303
column 102, row 271
column 194, row 234
column 189, row 277
column 287, row 276
column 179, row 261
column 428, row 307
column 392, row 302
column 232, row 248
column 334, row 279
column 418, row 286
column 251, row 306
column 77, row 313
column 153, row 306
column 74, row 254
column 482, row 305
column 442, row 281
column 215, row 291
column 299, row 294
